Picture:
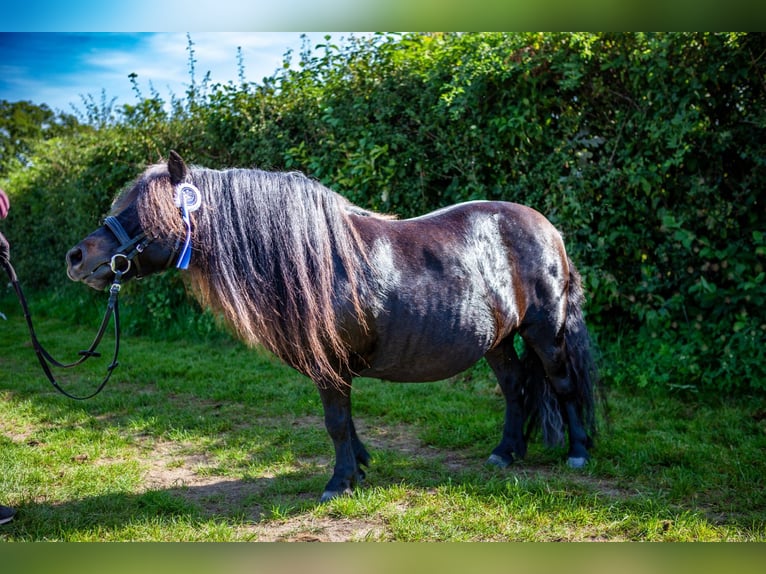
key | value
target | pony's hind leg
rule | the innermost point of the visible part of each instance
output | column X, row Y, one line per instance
column 508, row 369
column 552, row 352
column 350, row 453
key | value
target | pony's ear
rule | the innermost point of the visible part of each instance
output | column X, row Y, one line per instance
column 177, row 168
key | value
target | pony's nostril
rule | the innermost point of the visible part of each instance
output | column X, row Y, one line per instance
column 74, row 257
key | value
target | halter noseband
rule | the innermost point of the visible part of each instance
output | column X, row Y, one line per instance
column 137, row 243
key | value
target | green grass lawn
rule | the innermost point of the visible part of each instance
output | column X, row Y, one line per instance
column 211, row 441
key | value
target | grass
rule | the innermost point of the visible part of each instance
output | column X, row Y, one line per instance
column 207, row 440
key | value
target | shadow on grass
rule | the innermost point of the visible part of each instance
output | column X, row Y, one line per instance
column 176, row 513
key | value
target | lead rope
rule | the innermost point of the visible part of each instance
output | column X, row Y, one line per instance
column 112, row 310
column 188, row 198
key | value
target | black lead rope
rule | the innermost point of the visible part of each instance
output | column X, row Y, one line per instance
column 112, row 310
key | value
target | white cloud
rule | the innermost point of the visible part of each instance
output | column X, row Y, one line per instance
column 160, row 60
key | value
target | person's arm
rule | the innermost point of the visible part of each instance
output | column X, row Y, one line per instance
column 5, row 248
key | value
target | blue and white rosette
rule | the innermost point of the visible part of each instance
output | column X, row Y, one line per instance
column 188, row 199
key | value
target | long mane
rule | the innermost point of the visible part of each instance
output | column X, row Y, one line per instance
column 275, row 254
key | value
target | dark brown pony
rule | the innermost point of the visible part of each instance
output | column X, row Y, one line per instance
column 338, row 292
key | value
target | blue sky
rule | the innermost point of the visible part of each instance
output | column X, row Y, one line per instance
column 58, row 68
column 205, row 15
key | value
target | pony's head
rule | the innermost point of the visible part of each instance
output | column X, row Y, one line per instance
column 128, row 241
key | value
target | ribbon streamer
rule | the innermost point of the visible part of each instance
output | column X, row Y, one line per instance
column 188, row 199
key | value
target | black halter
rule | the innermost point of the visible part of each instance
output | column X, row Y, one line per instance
column 137, row 244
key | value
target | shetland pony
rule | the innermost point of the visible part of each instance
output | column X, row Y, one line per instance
column 336, row 292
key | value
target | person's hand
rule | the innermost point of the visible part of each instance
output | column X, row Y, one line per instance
column 5, row 205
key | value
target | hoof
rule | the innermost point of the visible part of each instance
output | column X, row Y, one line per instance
column 498, row 461
column 577, row 461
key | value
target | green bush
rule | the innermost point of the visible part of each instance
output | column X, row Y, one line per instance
column 646, row 150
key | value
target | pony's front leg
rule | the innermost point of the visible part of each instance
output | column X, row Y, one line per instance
column 349, row 451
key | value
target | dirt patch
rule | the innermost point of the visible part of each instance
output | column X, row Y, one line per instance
column 307, row 528
column 18, row 435
column 177, row 467
column 181, row 469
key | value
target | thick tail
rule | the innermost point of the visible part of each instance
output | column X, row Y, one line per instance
column 541, row 405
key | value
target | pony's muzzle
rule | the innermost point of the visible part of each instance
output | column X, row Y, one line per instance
column 78, row 264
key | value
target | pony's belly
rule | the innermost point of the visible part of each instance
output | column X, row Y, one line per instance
column 428, row 338
column 432, row 362
column 419, row 372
